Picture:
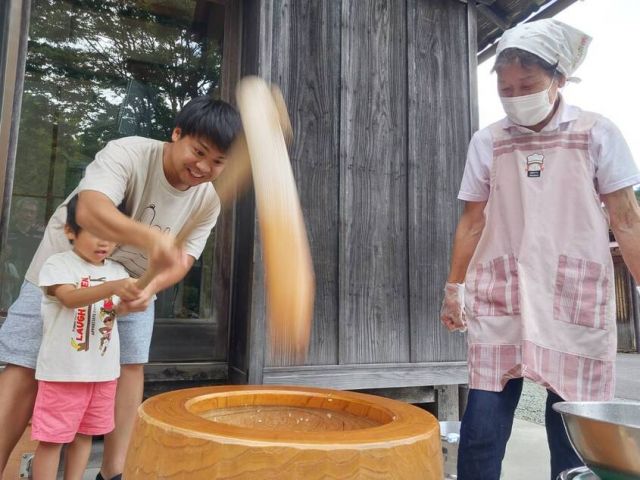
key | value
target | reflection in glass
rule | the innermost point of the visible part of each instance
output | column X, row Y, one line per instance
column 98, row 70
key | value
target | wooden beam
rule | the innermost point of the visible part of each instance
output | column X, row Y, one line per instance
column 494, row 17
column 405, row 394
column 360, row 376
column 447, row 402
column 548, row 12
column 191, row 371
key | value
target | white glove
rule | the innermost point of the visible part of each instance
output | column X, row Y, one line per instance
column 452, row 313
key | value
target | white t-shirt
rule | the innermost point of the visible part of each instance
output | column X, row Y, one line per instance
column 615, row 167
column 81, row 344
column 130, row 169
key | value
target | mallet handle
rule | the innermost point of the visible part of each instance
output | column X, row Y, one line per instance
column 144, row 281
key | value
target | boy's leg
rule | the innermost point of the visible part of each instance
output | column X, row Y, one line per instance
column 563, row 456
column 135, row 331
column 485, row 430
column 18, row 389
column 46, row 461
column 76, row 457
column 128, row 399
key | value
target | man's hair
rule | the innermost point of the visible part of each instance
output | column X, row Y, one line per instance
column 71, row 215
column 510, row 56
column 205, row 117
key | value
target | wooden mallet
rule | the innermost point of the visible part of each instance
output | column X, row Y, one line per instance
column 236, row 178
column 260, row 152
column 289, row 278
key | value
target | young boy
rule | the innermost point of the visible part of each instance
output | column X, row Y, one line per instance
column 162, row 187
column 79, row 359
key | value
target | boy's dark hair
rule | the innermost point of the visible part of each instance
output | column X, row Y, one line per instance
column 525, row 59
column 209, row 118
column 71, row 215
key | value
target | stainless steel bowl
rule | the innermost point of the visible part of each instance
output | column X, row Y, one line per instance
column 606, row 436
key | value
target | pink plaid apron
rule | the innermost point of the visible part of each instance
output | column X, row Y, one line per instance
column 540, row 297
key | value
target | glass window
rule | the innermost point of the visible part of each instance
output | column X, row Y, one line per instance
column 98, row 70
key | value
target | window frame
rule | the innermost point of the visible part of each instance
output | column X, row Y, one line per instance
column 13, row 53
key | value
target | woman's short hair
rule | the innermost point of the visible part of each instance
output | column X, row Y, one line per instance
column 510, row 56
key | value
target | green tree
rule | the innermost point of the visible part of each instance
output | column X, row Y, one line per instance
column 103, row 69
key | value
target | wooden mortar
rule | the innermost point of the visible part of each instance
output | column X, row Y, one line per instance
column 272, row 432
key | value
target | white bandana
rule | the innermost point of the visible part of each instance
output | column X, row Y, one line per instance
column 553, row 41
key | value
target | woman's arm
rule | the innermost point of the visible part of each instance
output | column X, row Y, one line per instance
column 466, row 239
column 468, row 232
column 624, row 218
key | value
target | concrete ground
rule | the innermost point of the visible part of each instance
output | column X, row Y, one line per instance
column 527, row 456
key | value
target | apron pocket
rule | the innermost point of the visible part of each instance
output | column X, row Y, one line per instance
column 496, row 287
column 581, row 292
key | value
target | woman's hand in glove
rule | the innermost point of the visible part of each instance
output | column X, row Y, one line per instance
column 452, row 313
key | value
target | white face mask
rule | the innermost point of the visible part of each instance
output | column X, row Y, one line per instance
column 528, row 110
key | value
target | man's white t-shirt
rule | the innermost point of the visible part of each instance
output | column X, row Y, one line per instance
column 615, row 167
column 81, row 344
column 130, row 170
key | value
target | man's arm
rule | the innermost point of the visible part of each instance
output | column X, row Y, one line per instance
column 97, row 213
column 624, row 217
column 466, row 239
column 165, row 278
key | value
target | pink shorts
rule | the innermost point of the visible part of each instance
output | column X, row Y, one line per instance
column 63, row 409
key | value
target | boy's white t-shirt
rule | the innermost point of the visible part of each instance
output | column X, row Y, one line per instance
column 81, row 344
column 130, row 169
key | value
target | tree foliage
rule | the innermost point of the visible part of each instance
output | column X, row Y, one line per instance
column 103, row 69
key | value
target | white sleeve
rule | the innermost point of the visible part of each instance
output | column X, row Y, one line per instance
column 208, row 215
column 477, row 171
column 615, row 167
column 109, row 173
column 56, row 271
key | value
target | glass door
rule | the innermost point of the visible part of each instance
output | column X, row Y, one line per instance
column 103, row 69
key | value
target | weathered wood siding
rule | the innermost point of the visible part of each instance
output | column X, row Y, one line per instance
column 373, row 255
column 439, row 131
column 306, row 65
column 379, row 95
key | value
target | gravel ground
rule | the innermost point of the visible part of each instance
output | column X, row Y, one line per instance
column 532, row 403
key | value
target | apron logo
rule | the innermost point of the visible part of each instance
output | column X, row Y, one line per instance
column 535, row 165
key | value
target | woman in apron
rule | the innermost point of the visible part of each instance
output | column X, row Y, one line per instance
column 531, row 274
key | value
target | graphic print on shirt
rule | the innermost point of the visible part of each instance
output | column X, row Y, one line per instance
column 535, row 165
column 85, row 319
column 135, row 261
column 108, row 317
column 81, row 323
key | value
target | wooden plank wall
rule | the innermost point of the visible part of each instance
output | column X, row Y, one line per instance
column 305, row 63
column 439, row 130
column 373, row 184
column 378, row 92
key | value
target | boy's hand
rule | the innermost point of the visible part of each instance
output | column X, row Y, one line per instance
column 126, row 289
